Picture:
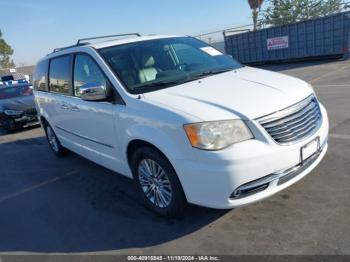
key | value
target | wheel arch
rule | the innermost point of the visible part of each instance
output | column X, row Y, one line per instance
column 44, row 121
column 138, row 143
column 135, row 144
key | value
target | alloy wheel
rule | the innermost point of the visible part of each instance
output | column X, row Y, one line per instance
column 155, row 183
column 52, row 139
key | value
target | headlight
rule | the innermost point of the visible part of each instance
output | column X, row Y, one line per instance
column 13, row 112
column 218, row 134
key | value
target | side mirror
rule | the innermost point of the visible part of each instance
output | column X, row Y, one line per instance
column 93, row 92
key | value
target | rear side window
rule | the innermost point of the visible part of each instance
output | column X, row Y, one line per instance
column 40, row 75
column 59, row 74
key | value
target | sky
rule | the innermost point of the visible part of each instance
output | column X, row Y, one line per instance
column 35, row 27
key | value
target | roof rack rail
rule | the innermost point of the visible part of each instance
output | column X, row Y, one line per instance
column 79, row 43
column 70, row 46
column 106, row 36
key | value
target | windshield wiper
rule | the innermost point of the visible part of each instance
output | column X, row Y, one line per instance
column 189, row 78
column 161, row 84
column 208, row 73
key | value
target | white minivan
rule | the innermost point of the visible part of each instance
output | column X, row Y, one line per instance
column 187, row 122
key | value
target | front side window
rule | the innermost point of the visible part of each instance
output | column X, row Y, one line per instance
column 86, row 71
column 59, row 74
column 154, row 64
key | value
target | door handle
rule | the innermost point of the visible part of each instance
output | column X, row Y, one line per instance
column 64, row 106
column 74, row 108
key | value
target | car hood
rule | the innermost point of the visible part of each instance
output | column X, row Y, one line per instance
column 18, row 103
column 246, row 93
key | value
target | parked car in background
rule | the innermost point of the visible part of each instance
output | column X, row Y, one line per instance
column 187, row 122
column 17, row 107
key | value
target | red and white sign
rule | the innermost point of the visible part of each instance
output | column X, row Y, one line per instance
column 277, row 43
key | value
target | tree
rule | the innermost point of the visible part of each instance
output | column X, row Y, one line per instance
column 5, row 54
column 255, row 5
column 280, row 12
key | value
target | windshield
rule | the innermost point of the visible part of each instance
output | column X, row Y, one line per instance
column 11, row 92
column 154, row 64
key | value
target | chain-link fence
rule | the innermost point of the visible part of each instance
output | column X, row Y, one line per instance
column 216, row 38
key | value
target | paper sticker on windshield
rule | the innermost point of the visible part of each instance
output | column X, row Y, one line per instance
column 211, row 51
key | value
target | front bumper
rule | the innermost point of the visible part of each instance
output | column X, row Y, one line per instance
column 212, row 178
column 12, row 123
column 26, row 120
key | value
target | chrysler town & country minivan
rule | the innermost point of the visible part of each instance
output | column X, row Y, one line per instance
column 186, row 122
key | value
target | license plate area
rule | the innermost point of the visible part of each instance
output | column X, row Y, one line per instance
column 310, row 149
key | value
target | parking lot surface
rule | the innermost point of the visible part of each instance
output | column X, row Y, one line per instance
column 71, row 205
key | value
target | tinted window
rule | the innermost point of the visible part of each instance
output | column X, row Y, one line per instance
column 59, row 74
column 86, row 71
column 39, row 78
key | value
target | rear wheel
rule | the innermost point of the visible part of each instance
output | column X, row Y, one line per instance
column 158, row 183
column 54, row 143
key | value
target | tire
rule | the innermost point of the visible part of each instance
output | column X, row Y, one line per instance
column 9, row 126
column 165, row 194
column 54, row 143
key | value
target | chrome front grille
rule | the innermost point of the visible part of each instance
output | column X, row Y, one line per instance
column 295, row 122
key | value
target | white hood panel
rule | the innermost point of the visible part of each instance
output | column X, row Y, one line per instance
column 246, row 93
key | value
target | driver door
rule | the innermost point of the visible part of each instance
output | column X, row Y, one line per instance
column 91, row 123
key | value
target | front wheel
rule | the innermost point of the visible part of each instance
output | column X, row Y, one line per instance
column 158, row 183
column 10, row 126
